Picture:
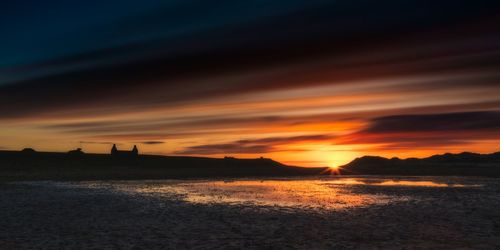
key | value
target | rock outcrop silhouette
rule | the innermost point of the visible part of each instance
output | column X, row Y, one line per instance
column 123, row 153
column 76, row 152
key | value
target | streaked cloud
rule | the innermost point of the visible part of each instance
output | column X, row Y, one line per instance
column 252, row 146
column 413, row 132
column 447, row 122
column 152, row 142
column 293, row 80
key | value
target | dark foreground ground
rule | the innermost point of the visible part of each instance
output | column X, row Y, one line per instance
column 176, row 215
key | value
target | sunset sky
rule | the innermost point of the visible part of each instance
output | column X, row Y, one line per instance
column 308, row 83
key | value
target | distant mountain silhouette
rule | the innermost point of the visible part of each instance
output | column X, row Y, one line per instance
column 466, row 163
column 77, row 165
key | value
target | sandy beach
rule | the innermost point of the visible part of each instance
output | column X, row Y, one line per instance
column 292, row 213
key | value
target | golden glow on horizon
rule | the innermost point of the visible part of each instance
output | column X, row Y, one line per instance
column 314, row 126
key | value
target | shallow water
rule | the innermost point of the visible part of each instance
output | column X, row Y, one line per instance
column 292, row 213
column 288, row 193
column 323, row 193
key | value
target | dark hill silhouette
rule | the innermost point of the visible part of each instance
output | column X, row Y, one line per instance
column 466, row 163
column 76, row 165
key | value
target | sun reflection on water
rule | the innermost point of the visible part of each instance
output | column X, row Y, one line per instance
column 328, row 193
column 287, row 193
column 277, row 193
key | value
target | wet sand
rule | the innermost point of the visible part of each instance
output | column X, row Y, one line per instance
column 362, row 213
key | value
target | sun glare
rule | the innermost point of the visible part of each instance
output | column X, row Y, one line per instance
column 334, row 170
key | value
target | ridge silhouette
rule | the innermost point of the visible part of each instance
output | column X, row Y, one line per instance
column 29, row 164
